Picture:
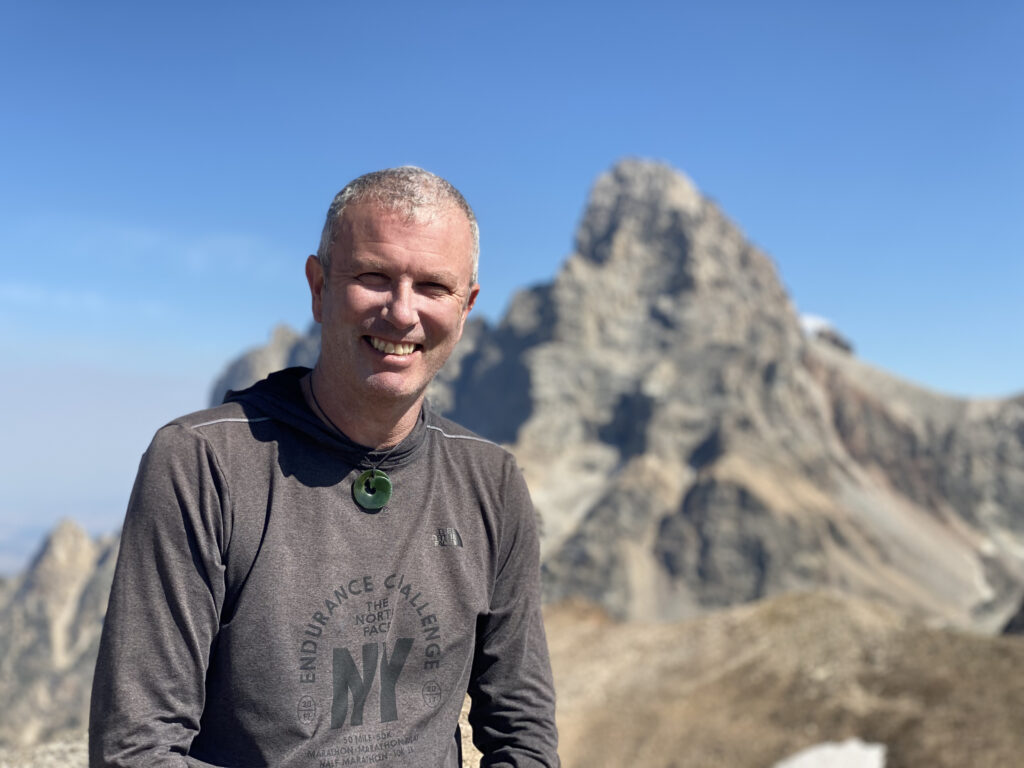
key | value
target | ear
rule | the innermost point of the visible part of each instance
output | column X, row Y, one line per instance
column 473, row 293
column 315, row 278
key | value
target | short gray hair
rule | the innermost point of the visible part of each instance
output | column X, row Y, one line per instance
column 408, row 191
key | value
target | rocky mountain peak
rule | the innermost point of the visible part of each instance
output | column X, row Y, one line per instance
column 656, row 263
column 651, row 196
column 66, row 555
column 50, row 621
column 285, row 348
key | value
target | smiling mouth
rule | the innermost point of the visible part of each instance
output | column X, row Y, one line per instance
column 390, row 348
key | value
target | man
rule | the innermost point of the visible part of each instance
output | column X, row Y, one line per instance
column 316, row 572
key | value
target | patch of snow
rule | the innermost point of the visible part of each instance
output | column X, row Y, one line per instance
column 814, row 324
column 852, row 753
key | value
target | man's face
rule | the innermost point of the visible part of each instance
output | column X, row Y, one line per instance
column 394, row 303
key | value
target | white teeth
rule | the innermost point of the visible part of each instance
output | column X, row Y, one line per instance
column 391, row 349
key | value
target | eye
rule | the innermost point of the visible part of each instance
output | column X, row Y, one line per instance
column 435, row 289
column 373, row 279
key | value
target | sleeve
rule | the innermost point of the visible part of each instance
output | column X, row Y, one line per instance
column 165, row 602
column 511, row 687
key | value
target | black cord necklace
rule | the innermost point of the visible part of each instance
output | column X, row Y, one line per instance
column 372, row 489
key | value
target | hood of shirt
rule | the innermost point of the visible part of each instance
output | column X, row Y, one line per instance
column 280, row 397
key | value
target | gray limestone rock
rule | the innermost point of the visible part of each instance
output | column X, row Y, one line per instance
column 1015, row 626
column 690, row 448
column 50, row 623
column 285, row 349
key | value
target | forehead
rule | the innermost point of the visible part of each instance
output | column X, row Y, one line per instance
column 442, row 235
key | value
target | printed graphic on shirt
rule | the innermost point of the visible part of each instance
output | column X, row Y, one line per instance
column 307, row 710
column 369, row 661
column 447, row 537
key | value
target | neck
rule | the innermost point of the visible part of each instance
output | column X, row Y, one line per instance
column 374, row 425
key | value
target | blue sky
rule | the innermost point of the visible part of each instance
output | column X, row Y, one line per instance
column 164, row 171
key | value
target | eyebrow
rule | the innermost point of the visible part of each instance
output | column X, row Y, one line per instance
column 439, row 277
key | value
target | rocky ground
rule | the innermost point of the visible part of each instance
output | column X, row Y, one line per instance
column 747, row 687
column 751, row 686
column 66, row 753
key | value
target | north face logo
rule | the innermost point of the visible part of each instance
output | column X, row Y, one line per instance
column 447, row 537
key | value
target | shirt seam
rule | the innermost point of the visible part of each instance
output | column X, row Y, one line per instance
column 462, row 437
column 235, row 420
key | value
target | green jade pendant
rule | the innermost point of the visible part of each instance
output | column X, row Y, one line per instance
column 372, row 489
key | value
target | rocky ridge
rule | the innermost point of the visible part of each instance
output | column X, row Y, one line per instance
column 50, row 621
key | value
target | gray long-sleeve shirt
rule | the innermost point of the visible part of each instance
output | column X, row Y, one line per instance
column 260, row 617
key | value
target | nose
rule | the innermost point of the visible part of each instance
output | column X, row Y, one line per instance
column 400, row 310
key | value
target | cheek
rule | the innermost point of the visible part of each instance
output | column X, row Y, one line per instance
column 444, row 324
column 357, row 302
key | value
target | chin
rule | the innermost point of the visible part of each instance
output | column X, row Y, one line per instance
column 395, row 387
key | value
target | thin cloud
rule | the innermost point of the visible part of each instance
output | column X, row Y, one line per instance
column 104, row 271
column 235, row 253
column 182, row 254
column 25, row 297
column 101, row 246
column 33, row 296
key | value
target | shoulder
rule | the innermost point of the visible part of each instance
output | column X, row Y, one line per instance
column 218, row 427
column 221, row 415
column 454, row 436
column 485, row 466
column 277, row 397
